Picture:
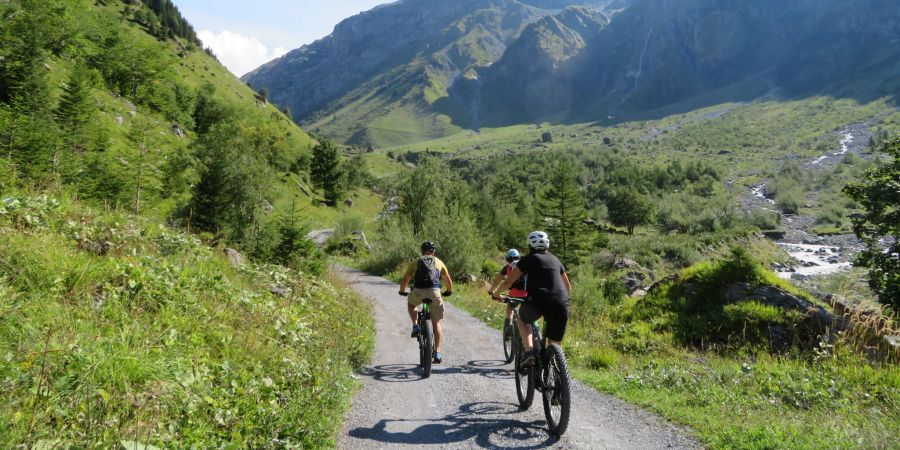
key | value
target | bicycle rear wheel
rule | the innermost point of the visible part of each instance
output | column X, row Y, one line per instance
column 556, row 393
column 426, row 348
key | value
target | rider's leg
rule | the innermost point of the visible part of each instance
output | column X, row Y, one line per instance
column 412, row 313
column 509, row 313
column 527, row 334
column 438, row 332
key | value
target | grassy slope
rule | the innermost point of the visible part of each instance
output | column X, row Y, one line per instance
column 743, row 398
column 161, row 341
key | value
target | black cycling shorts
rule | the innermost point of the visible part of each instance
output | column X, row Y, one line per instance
column 554, row 312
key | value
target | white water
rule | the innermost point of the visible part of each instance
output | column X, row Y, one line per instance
column 845, row 147
column 816, row 257
column 640, row 70
column 758, row 192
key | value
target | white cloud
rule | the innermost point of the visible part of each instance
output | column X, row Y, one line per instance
column 239, row 53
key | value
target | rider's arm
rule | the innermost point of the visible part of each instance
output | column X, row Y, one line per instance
column 510, row 279
column 497, row 280
column 447, row 280
column 407, row 277
column 566, row 282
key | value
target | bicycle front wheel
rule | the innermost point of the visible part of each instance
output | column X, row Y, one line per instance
column 524, row 376
column 557, row 392
column 509, row 340
column 426, row 349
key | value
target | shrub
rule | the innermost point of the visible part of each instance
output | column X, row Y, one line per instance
column 763, row 219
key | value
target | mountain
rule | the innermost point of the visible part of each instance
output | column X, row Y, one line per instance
column 384, row 76
column 659, row 53
column 418, row 69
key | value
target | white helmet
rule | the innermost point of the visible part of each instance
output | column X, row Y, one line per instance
column 538, row 240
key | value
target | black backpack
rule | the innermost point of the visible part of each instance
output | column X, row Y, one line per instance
column 427, row 275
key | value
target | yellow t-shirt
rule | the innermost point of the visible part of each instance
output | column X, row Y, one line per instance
column 439, row 266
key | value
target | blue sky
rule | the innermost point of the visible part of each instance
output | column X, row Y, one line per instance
column 245, row 34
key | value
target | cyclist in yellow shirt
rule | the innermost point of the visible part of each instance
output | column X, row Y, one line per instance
column 427, row 272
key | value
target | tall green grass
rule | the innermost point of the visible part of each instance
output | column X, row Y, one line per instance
column 155, row 339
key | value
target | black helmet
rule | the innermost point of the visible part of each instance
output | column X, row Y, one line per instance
column 428, row 246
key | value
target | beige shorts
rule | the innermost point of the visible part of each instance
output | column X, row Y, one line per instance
column 437, row 304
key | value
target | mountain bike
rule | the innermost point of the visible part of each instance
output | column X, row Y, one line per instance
column 425, row 337
column 549, row 375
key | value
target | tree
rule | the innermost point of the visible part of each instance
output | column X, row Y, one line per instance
column 234, row 181
column 77, row 115
column 879, row 226
column 562, row 207
column 327, row 171
column 141, row 162
column 629, row 209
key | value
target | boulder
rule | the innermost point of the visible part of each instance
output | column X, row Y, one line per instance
column 469, row 279
column 349, row 202
column 235, row 258
column 177, row 131
column 547, row 137
column 280, row 291
column 120, row 120
column 607, row 141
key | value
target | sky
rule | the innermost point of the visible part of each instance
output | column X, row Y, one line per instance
column 246, row 34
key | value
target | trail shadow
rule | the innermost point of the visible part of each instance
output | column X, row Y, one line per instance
column 406, row 373
column 488, row 424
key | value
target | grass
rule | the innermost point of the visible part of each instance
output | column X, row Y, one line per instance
column 159, row 341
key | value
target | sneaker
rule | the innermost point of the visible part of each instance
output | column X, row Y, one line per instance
column 528, row 358
column 437, row 358
column 415, row 332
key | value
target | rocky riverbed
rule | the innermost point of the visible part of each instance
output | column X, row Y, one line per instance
column 813, row 255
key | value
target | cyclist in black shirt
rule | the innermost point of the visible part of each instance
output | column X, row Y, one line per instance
column 548, row 289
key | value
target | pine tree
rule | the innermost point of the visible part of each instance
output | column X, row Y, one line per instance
column 327, row 171
column 77, row 114
column 562, row 206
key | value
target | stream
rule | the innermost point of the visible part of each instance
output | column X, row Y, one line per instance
column 813, row 255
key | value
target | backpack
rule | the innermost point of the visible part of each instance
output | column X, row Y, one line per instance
column 428, row 276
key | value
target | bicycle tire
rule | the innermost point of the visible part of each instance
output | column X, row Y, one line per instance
column 427, row 352
column 524, row 377
column 509, row 340
column 558, row 394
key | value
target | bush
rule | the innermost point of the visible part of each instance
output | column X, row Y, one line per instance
column 763, row 219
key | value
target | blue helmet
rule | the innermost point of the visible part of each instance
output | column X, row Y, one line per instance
column 512, row 255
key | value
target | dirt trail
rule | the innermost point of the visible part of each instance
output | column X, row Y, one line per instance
column 469, row 401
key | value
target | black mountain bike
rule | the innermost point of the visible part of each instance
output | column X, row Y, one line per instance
column 425, row 337
column 549, row 375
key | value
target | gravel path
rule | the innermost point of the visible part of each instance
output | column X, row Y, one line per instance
column 470, row 401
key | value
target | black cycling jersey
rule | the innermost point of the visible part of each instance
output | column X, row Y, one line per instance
column 543, row 276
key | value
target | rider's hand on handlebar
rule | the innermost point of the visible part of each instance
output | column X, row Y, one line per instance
column 404, row 294
column 497, row 297
column 447, row 293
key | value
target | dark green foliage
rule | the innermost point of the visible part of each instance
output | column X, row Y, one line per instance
column 562, row 208
column 327, row 171
column 629, row 209
column 78, row 121
column 209, row 110
column 165, row 22
column 234, row 182
column 357, row 173
column 879, row 225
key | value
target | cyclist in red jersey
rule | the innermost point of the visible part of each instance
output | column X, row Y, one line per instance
column 516, row 291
